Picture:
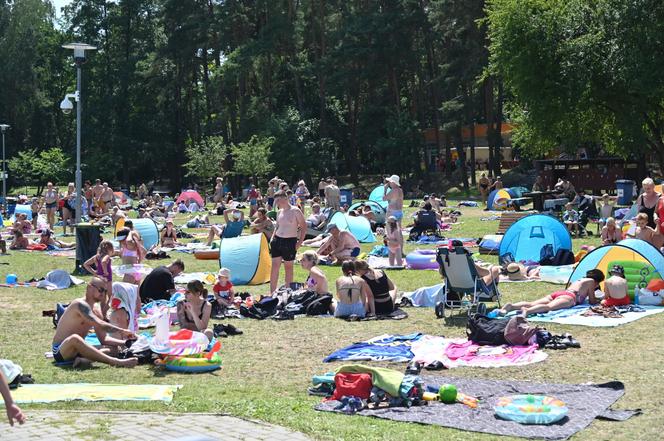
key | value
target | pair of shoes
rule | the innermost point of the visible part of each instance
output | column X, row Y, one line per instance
column 413, row 368
column 223, row 331
column 555, row 344
column 283, row 315
column 569, row 341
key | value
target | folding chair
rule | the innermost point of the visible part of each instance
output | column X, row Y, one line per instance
column 458, row 270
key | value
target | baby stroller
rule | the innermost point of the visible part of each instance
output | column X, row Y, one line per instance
column 464, row 288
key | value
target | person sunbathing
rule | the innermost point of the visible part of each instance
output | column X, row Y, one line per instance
column 575, row 294
column 169, row 237
column 615, row 288
column 232, row 228
column 610, row 232
column 343, row 245
column 22, row 224
column 316, row 280
column 518, row 271
column 194, row 311
column 20, row 242
column 353, row 294
column 46, row 238
column 82, row 314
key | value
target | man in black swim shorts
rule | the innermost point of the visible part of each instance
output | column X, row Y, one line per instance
column 288, row 236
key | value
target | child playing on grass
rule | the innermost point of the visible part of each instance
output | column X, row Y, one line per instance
column 100, row 265
column 571, row 219
column 223, row 289
column 394, row 240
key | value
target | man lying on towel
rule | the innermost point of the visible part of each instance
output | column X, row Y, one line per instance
column 575, row 294
column 69, row 340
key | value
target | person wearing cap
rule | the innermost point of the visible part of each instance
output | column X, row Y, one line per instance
column 234, row 225
column 342, row 246
column 393, row 194
column 169, row 237
column 394, row 242
column 223, row 289
column 497, row 184
column 287, row 238
column 332, row 195
column 615, row 288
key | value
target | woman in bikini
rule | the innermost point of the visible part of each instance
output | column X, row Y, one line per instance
column 316, row 281
column 383, row 290
column 168, row 235
column 575, row 294
column 393, row 194
column 135, row 237
column 69, row 209
column 129, row 249
column 648, row 200
column 352, row 294
column 51, row 203
column 194, row 310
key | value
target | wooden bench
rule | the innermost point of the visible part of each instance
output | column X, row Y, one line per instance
column 507, row 218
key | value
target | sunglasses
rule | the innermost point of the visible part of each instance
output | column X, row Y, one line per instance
column 101, row 289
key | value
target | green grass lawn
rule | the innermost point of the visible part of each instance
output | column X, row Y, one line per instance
column 267, row 370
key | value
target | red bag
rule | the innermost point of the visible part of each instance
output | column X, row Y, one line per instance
column 356, row 385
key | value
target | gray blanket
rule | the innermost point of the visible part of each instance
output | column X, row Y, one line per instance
column 585, row 403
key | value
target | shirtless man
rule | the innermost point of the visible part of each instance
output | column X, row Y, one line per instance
column 393, row 194
column 288, row 237
column 97, row 191
column 117, row 214
column 106, row 196
column 69, row 340
column 575, row 294
column 615, row 288
column 316, row 219
column 343, row 245
column 332, row 195
column 262, row 224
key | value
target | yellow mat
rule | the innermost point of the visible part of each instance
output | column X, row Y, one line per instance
column 49, row 393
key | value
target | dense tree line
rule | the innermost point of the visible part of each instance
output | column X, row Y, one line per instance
column 330, row 87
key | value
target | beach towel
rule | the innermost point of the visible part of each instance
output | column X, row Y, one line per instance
column 184, row 278
column 49, row 393
column 381, row 263
column 453, row 353
column 385, row 347
column 584, row 401
column 125, row 296
column 574, row 316
column 58, row 279
column 427, row 296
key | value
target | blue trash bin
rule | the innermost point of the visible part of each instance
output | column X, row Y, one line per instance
column 625, row 191
column 346, row 197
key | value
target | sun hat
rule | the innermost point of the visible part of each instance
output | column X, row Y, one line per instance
column 515, row 271
column 122, row 234
column 224, row 272
column 394, row 179
column 237, row 214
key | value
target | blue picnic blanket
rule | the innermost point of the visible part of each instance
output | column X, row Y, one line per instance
column 385, row 347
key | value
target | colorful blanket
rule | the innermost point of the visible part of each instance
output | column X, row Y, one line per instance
column 385, row 347
column 455, row 353
column 49, row 393
column 574, row 316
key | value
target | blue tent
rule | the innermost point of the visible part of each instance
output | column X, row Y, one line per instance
column 248, row 258
column 22, row 209
column 498, row 199
column 377, row 196
column 526, row 237
column 358, row 226
column 146, row 227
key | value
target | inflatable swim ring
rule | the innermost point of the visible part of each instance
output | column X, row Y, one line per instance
column 184, row 342
column 422, row 259
column 207, row 254
column 192, row 363
column 531, row 409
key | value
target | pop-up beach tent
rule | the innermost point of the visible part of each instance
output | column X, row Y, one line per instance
column 248, row 258
column 147, row 228
column 526, row 237
column 358, row 226
column 641, row 260
column 498, row 199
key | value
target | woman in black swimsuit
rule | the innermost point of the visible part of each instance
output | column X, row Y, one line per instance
column 168, row 235
column 648, row 200
column 194, row 310
column 383, row 289
column 483, row 186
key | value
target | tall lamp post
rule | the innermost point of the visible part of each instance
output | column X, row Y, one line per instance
column 67, row 106
column 3, row 128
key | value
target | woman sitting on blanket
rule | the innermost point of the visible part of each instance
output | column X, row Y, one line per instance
column 169, row 238
column 316, row 281
column 20, row 242
column 353, row 294
column 575, row 294
column 194, row 311
column 383, row 290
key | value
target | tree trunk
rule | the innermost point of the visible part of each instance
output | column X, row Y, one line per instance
column 473, row 178
column 458, row 140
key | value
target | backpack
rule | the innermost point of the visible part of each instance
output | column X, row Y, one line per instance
column 546, row 255
column 320, row 305
column 59, row 311
column 352, row 385
column 482, row 330
column 300, row 301
column 563, row 257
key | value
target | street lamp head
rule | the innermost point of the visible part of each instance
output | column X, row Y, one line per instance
column 4, row 127
column 79, row 50
column 66, row 106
